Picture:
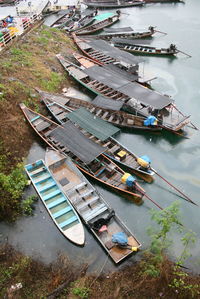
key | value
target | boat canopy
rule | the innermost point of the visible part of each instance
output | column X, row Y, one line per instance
column 131, row 89
column 92, row 124
column 131, row 42
column 118, row 30
column 71, row 137
column 107, row 49
column 107, row 103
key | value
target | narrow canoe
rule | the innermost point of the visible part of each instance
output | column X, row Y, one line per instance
column 114, row 150
column 113, row 4
column 137, row 48
column 137, row 99
column 90, row 205
column 56, row 203
column 87, row 155
column 102, row 53
column 113, row 18
column 108, row 35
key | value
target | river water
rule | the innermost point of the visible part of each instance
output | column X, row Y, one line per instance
column 175, row 158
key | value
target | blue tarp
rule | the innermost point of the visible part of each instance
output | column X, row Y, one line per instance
column 150, row 120
column 120, row 238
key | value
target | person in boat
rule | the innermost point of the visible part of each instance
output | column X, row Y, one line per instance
column 118, row 12
column 172, row 47
column 151, row 28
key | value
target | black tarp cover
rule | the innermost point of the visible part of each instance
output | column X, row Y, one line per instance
column 107, row 103
column 118, row 30
column 119, row 55
column 71, row 137
column 133, row 90
column 131, row 42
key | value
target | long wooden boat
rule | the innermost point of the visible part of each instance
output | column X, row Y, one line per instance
column 87, row 155
column 7, row 2
column 136, row 47
column 137, row 99
column 95, row 212
column 111, row 19
column 64, row 19
column 126, row 32
column 104, row 108
column 113, row 4
column 102, row 53
column 56, row 202
column 89, row 126
column 82, row 22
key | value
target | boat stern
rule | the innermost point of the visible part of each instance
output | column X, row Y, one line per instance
column 76, row 234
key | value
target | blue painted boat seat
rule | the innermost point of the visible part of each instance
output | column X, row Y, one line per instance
column 56, row 202
column 88, row 202
column 36, row 117
column 100, row 171
column 51, row 195
column 41, row 179
column 52, row 184
column 67, row 222
column 37, row 171
column 97, row 211
column 62, row 212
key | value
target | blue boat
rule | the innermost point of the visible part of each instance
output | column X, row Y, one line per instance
column 56, row 203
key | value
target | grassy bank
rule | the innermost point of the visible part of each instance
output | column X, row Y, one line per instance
column 28, row 63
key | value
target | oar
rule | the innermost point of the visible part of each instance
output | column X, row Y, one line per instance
column 144, row 194
column 184, row 195
column 160, row 32
column 184, row 53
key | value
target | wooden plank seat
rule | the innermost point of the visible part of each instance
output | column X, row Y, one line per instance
column 92, row 109
column 87, row 193
column 56, row 110
column 105, row 114
column 42, row 126
column 62, row 115
column 114, row 149
column 111, row 118
column 88, row 202
column 98, row 112
column 95, row 212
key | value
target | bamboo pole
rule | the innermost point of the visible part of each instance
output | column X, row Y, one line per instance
column 184, row 195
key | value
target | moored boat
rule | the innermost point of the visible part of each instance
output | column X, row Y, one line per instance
column 137, row 99
column 101, row 22
column 137, row 47
column 107, row 109
column 102, row 53
column 95, row 212
column 114, row 3
column 87, row 155
column 81, row 23
column 126, row 32
column 56, row 203
column 92, row 128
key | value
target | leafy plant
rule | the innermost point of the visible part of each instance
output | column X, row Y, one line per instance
column 53, row 83
column 27, row 205
column 81, row 292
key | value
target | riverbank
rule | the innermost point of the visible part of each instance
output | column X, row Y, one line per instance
column 22, row 277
